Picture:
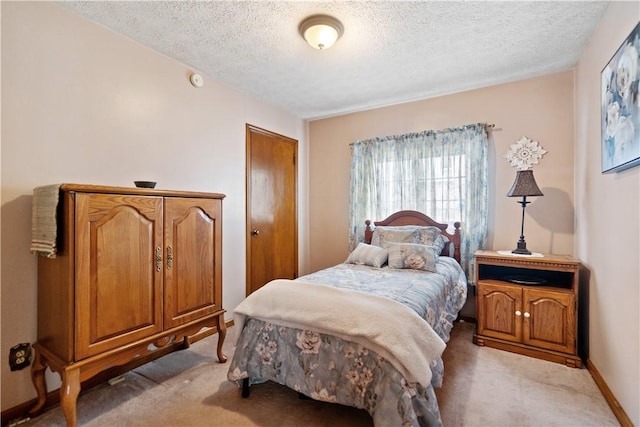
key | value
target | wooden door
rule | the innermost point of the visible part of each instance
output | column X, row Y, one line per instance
column 118, row 270
column 192, row 267
column 272, row 232
column 551, row 322
column 498, row 305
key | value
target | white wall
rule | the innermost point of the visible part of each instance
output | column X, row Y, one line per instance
column 81, row 104
column 607, row 223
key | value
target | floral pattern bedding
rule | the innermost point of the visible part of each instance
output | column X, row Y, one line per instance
column 331, row 369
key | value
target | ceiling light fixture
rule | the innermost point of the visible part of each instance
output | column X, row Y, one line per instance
column 321, row 31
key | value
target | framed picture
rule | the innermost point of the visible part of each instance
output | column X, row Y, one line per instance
column 620, row 115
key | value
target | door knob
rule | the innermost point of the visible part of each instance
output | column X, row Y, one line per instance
column 255, row 232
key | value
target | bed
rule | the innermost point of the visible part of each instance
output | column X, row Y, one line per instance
column 368, row 332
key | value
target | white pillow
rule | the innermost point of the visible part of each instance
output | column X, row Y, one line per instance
column 373, row 256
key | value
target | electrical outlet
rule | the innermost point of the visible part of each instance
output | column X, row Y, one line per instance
column 20, row 356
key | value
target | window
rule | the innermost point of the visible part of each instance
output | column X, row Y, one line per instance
column 440, row 173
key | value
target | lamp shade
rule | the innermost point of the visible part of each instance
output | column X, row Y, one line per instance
column 524, row 185
column 321, row 31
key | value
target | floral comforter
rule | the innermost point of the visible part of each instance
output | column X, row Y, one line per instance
column 332, row 369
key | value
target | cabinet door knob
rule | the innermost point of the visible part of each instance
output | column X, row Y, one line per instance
column 255, row 232
column 526, row 314
column 518, row 312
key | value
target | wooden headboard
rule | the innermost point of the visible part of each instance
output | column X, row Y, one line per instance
column 420, row 219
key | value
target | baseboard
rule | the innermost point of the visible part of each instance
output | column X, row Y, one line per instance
column 21, row 410
column 611, row 400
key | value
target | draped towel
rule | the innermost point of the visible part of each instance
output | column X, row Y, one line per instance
column 44, row 221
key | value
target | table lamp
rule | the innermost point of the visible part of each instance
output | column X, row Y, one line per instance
column 524, row 186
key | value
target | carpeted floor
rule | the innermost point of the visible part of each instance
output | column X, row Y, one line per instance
column 482, row 387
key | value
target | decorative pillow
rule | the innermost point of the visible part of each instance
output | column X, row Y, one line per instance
column 374, row 256
column 450, row 250
column 413, row 256
column 405, row 234
column 402, row 234
column 439, row 243
column 429, row 235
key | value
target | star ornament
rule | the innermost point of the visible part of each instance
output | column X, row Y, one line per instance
column 524, row 153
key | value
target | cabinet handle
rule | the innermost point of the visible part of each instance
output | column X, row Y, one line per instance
column 158, row 258
column 255, row 232
column 518, row 312
column 169, row 257
column 526, row 314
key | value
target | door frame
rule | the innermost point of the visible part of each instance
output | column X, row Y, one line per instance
column 249, row 128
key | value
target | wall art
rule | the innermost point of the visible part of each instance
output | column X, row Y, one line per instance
column 620, row 116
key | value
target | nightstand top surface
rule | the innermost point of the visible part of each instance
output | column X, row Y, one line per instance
column 568, row 259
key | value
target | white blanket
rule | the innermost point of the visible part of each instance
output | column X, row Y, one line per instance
column 387, row 327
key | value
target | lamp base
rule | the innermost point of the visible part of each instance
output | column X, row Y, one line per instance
column 521, row 249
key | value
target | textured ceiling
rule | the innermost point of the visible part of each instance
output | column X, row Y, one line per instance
column 391, row 51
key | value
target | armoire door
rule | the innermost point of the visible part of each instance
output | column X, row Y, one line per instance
column 193, row 230
column 118, row 281
column 272, row 233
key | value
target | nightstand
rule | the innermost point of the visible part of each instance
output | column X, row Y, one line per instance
column 528, row 305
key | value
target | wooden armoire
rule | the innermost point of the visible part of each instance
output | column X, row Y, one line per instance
column 136, row 269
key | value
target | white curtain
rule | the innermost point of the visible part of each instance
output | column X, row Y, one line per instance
column 441, row 173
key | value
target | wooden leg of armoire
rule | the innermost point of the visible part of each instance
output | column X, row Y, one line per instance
column 222, row 333
column 69, row 391
column 39, row 382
